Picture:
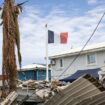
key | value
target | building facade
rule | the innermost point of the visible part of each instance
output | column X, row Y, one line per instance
column 92, row 57
column 33, row 72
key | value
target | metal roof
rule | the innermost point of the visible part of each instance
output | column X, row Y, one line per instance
column 90, row 48
column 33, row 67
column 98, row 99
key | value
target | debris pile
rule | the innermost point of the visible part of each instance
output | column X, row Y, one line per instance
column 86, row 90
column 42, row 89
column 10, row 98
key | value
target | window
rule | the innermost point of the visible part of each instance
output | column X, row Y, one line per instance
column 91, row 58
column 53, row 62
column 61, row 63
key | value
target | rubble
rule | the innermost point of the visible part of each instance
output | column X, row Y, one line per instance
column 43, row 89
column 85, row 89
column 39, row 91
column 10, row 98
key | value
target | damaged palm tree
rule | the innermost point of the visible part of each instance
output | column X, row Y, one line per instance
column 11, row 37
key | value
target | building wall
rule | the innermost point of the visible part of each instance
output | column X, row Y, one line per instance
column 26, row 75
column 41, row 74
column 79, row 64
column 33, row 74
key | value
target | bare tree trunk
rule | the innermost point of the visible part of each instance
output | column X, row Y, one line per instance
column 9, row 60
column 11, row 37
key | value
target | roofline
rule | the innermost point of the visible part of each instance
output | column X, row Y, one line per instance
column 29, row 69
column 77, row 52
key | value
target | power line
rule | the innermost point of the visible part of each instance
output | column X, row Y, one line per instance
column 83, row 46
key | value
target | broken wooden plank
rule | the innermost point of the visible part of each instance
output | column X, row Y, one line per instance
column 10, row 98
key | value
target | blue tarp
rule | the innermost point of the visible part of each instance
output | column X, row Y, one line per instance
column 76, row 75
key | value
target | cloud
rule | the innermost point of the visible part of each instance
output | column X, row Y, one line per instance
column 92, row 1
column 96, row 2
column 33, row 31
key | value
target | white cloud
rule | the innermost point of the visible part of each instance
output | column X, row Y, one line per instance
column 33, row 32
column 92, row 1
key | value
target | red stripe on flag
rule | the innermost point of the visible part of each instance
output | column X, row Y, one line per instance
column 63, row 37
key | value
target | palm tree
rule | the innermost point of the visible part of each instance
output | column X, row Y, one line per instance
column 11, row 37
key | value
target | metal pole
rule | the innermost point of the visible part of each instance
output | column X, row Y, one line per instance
column 47, row 76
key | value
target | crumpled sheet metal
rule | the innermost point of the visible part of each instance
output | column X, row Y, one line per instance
column 83, row 88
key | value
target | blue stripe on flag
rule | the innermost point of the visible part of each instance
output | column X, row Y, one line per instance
column 50, row 36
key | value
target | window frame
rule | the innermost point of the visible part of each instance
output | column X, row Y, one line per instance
column 87, row 60
column 61, row 63
column 53, row 62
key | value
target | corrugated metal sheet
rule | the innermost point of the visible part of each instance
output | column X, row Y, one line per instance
column 98, row 99
column 82, row 88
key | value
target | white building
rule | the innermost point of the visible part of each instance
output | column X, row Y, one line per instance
column 92, row 57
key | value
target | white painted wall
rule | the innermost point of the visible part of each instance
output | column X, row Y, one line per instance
column 79, row 64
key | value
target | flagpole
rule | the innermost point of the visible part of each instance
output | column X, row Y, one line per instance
column 47, row 76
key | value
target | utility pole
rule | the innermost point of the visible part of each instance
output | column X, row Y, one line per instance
column 11, row 38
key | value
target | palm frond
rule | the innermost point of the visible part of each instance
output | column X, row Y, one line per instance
column 0, row 8
column 2, row 14
column 20, row 8
column 18, row 43
column 19, row 4
column 17, row 39
column 1, row 23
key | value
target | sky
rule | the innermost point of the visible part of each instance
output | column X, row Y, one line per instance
column 77, row 17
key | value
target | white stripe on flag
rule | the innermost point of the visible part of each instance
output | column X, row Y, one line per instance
column 56, row 38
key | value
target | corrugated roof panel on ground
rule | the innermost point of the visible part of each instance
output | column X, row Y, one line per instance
column 94, row 100
column 82, row 88
column 65, row 91
column 81, row 93
column 75, row 100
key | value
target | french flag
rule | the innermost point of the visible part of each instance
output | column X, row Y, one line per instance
column 57, row 38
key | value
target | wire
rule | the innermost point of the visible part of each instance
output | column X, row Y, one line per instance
column 83, row 46
column 71, row 74
column 27, row 97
